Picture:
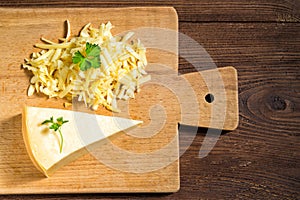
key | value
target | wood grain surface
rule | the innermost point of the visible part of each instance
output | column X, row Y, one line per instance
column 166, row 100
column 260, row 159
column 145, row 160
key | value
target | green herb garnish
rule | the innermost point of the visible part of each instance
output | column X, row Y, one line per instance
column 56, row 126
column 90, row 59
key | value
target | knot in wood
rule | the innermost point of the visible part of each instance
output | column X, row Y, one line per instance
column 277, row 103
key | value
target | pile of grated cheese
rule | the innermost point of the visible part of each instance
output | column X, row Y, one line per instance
column 120, row 75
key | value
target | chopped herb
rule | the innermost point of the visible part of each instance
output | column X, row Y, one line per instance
column 90, row 59
column 56, row 126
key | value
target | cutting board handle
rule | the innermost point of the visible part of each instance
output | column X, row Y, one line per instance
column 216, row 91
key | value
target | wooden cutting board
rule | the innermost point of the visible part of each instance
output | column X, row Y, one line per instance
column 145, row 159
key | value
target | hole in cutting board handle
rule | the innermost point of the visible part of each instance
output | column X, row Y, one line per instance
column 209, row 98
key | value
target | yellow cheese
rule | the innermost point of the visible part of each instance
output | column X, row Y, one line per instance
column 82, row 130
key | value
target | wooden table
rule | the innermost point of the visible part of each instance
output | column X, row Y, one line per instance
column 261, row 158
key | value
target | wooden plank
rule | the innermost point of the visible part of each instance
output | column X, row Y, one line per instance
column 256, row 48
column 196, row 11
column 160, row 147
column 159, row 105
column 134, row 168
column 261, row 158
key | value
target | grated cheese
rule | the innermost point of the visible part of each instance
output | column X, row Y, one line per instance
column 120, row 75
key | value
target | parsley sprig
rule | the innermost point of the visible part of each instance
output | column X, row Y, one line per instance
column 56, row 126
column 90, row 59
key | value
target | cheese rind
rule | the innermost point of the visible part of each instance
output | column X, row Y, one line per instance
column 82, row 130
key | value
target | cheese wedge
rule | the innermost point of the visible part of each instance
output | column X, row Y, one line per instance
column 82, row 130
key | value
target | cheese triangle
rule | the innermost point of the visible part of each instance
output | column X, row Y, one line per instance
column 82, row 130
